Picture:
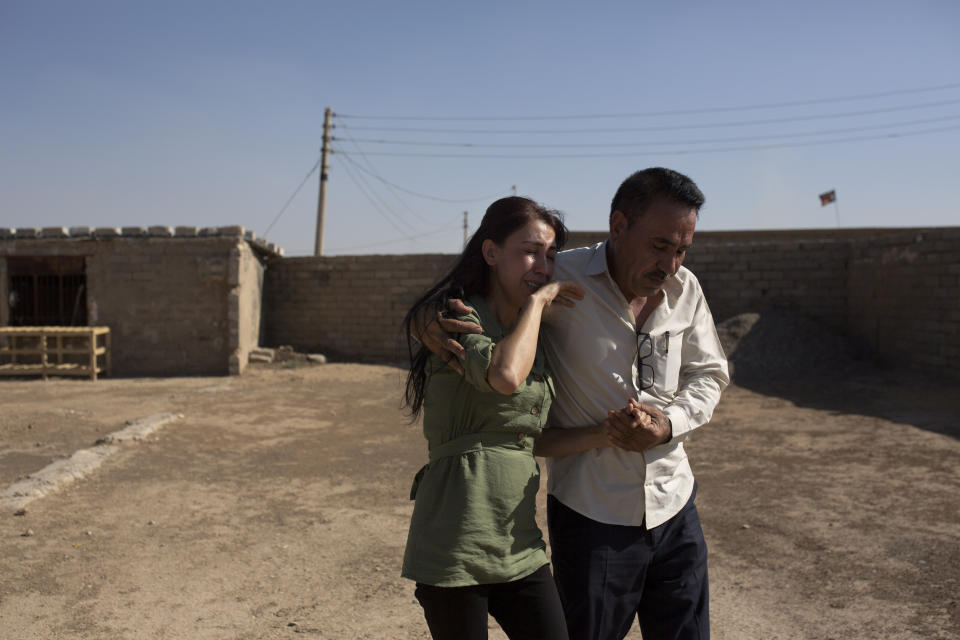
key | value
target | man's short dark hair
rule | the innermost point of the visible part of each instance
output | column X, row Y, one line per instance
column 638, row 192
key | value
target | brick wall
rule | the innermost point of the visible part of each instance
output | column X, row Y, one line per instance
column 904, row 297
column 165, row 303
column 741, row 276
column 244, row 304
column 894, row 289
column 198, row 304
column 4, row 305
column 177, row 303
column 348, row 307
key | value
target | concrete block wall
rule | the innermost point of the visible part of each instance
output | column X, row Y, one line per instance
column 244, row 305
column 743, row 276
column 165, row 303
column 894, row 289
column 182, row 301
column 897, row 292
column 195, row 301
column 4, row 306
column 347, row 307
column 755, row 271
column 904, row 298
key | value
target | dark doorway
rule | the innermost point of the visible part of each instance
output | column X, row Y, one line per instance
column 47, row 291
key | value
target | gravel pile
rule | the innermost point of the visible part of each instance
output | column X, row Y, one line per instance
column 779, row 346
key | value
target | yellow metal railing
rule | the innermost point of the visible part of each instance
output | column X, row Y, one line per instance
column 59, row 351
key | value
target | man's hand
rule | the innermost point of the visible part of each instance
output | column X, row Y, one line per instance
column 637, row 427
column 435, row 332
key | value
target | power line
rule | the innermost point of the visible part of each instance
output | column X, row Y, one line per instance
column 372, row 172
column 709, row 125
column 669, row 152
column 290, row 199
column 415, row 193
column 374, row 203
column 405, row 237
column 772, row 105
column 379, row 198
column 647, row 129
column 582, row 145
column 395, row 241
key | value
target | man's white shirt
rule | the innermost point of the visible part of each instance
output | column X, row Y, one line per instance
column 592, row 353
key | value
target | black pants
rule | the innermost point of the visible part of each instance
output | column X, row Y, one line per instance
column 607, row 574
column 526, row 609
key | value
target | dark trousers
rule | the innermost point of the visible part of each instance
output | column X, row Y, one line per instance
column 526, row 609
column 607, row 574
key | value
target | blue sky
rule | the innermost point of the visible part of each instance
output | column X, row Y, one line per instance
column 210, row 113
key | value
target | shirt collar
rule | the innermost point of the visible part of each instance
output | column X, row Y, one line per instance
column 672, row 286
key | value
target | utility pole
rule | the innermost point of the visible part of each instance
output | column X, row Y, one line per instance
column 464, row 229
column 322, row 197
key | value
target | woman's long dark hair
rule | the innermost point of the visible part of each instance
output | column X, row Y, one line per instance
column 469, row 276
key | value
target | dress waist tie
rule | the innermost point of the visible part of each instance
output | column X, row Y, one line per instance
column 469, row 444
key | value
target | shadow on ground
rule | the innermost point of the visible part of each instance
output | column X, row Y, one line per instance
column 798, row 358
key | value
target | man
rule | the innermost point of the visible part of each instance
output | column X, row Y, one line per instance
column 624, row 532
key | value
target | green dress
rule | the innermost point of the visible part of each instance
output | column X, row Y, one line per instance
column 474, row 517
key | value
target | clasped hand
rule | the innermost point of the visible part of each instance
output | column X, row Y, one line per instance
column 637, row 427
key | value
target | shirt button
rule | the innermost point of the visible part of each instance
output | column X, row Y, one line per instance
column 535, row 410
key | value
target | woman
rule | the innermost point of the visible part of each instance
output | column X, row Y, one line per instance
column 474, row 546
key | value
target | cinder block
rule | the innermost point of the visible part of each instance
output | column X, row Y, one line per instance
column 7, row 233
column 186, row 232
column 133, row 232
column 160, row 231
column 81, row 232
column 235, row 365
column 234, row 231
column 27, row 232
column 54, row 232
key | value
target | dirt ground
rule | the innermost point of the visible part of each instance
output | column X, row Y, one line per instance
column 277, row 508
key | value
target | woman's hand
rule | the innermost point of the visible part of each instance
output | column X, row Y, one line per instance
column 513, row 357
column 558, row 293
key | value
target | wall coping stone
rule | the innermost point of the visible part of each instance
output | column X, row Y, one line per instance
column 160, row 232
column 153, row 231
column 235, row 231
column 54, row 232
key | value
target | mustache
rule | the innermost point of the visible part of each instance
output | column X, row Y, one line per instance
column 657, row 275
